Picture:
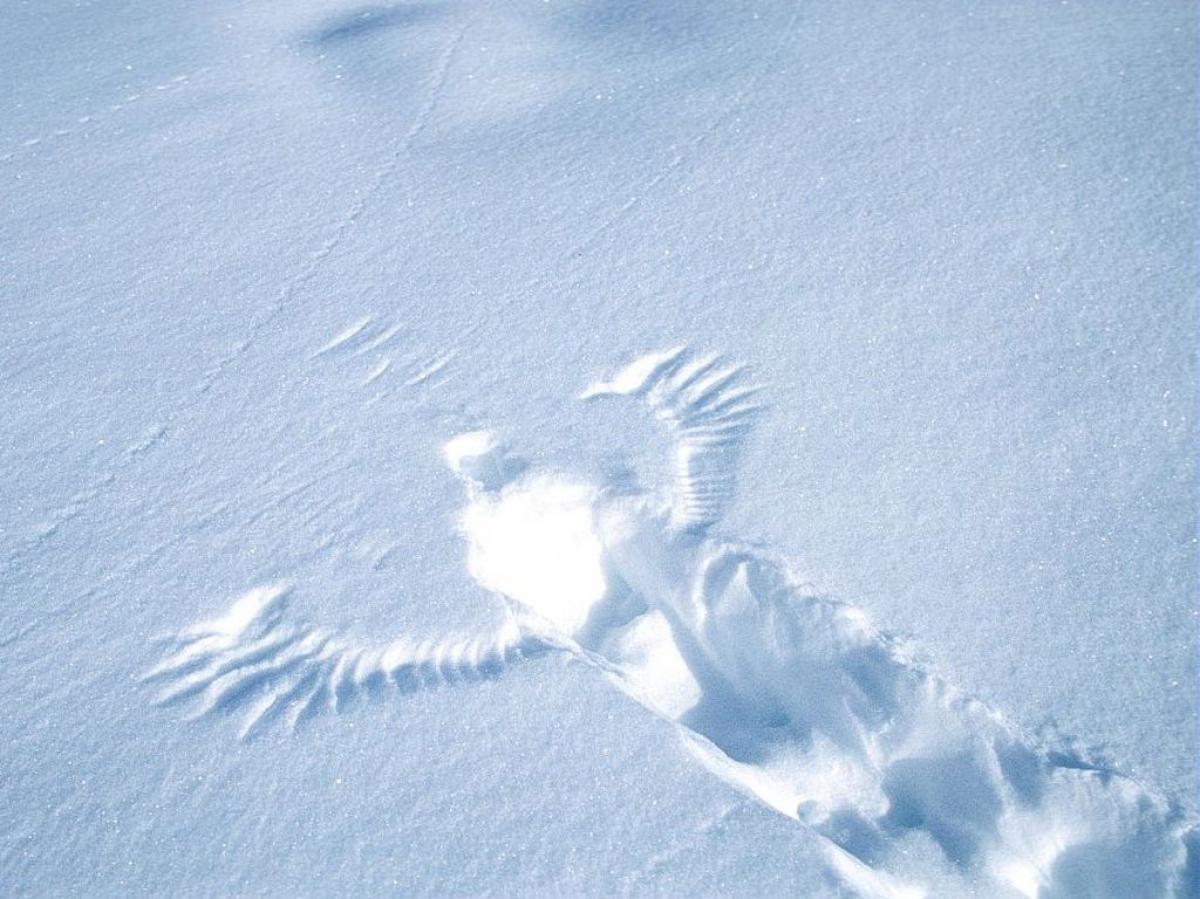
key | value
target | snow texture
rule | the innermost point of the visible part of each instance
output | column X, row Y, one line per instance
column 589, row 448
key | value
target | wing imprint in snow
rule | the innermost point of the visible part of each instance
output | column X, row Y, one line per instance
column 791, row 696
column 250, row 659
column 708, row 410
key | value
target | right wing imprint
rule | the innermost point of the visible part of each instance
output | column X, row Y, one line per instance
column 708, row 410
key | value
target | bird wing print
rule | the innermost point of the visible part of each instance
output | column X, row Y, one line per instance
column 251, row 658
column 707, row 409
column 792, row 697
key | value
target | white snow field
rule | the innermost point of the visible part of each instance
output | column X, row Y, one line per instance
column 596, row 447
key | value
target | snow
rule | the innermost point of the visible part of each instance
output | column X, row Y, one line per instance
column 260, row 267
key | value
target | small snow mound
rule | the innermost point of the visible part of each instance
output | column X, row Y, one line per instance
column 479, row 458
column 536, row 544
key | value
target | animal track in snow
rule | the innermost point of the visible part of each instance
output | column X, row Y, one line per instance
column 84, row 123
column 790, row 695
column 342, row 227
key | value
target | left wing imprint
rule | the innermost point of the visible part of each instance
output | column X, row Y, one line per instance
column 250, row 657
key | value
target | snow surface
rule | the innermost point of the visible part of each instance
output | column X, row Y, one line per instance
column 260, row 264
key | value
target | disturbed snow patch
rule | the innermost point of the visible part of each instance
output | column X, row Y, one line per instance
column 793, row 697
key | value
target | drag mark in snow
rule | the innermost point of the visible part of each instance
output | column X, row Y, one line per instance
column 375, row 343
column 73, row 508
column 131, row 565
column 288, row 495
column 675, row 849
column 20, row 632
column 51, row 526
column 791, row 696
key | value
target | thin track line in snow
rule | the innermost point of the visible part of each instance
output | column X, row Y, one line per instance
column 313, row 265
column 600, row 230
column 83, row 124
column 73, row 508
column 100, row 114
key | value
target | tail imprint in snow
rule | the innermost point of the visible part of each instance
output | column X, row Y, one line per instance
column 793, row 697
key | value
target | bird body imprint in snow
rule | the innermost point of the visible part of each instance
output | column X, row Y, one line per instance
column 793, row 697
